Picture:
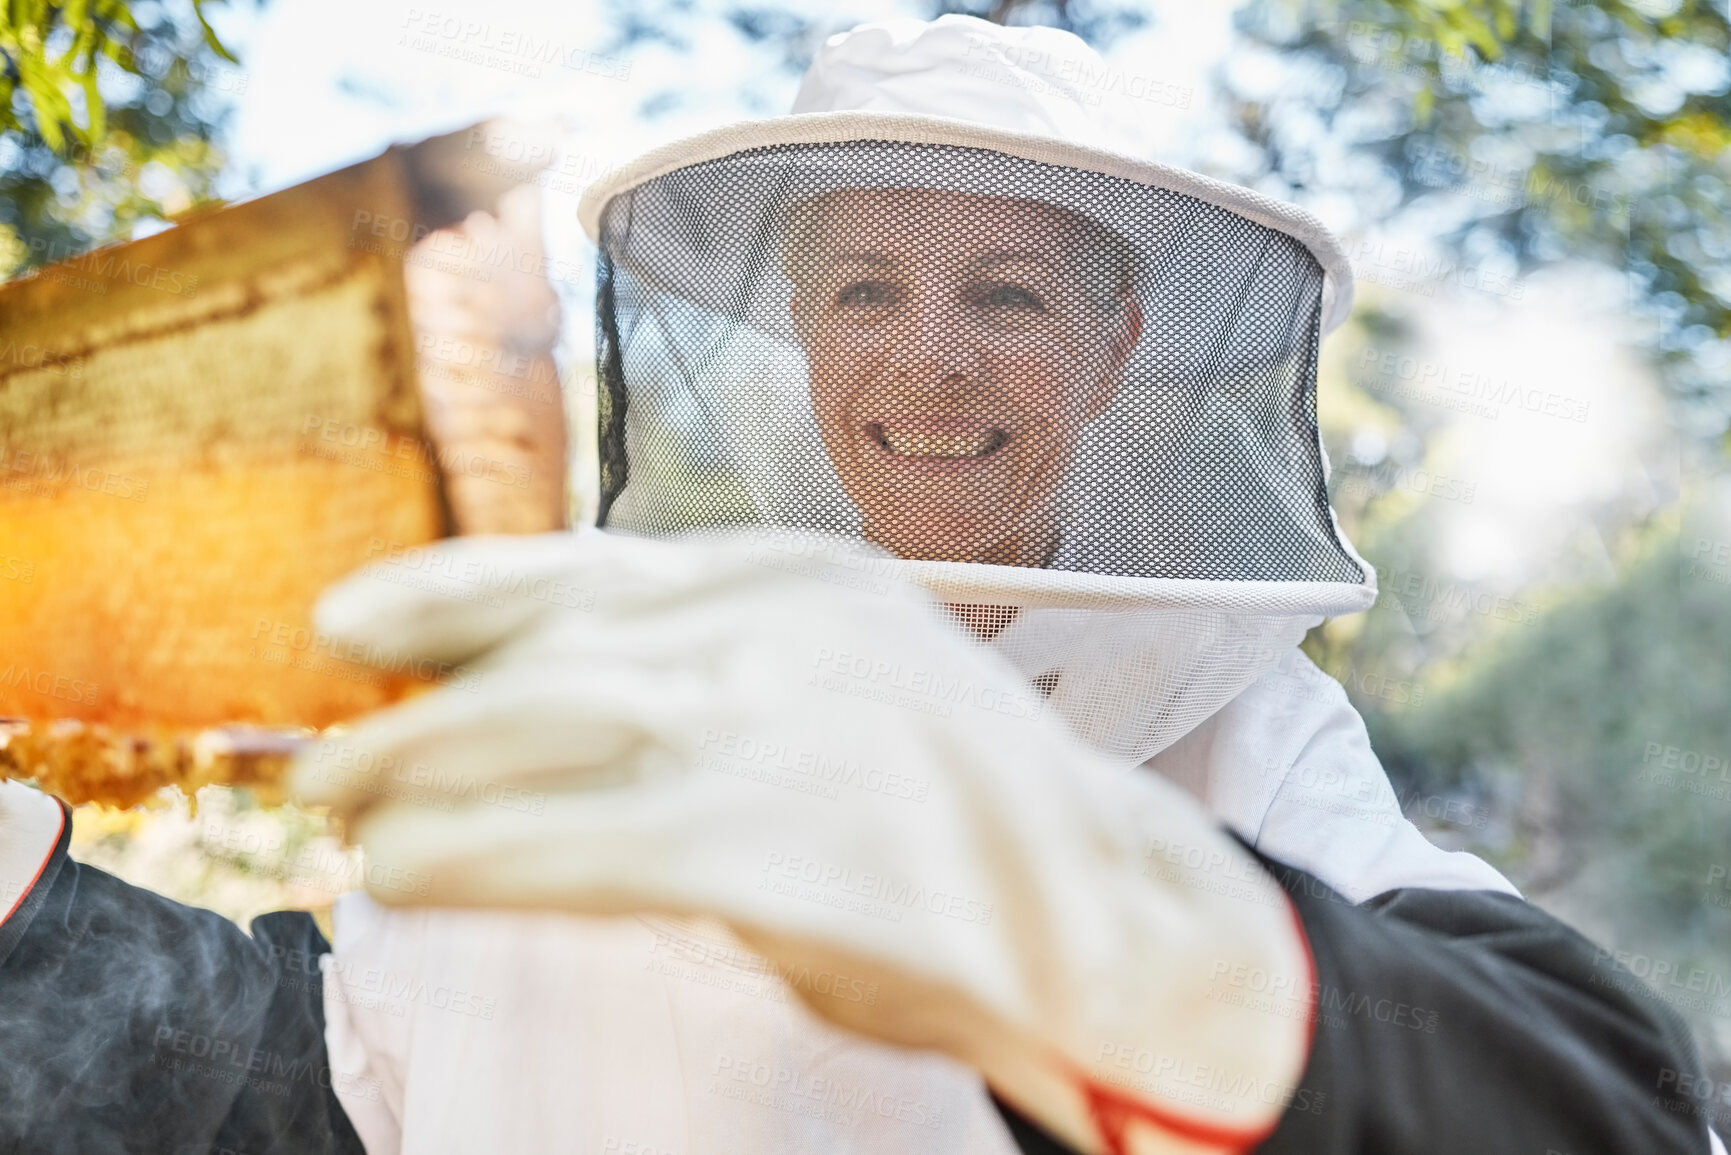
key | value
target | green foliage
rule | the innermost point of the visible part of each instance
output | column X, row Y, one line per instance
column 1522, row 134
column 1595, row 709
column 1596, row 130
column 108, row 115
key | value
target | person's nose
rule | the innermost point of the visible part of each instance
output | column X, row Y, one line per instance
column 931, row 349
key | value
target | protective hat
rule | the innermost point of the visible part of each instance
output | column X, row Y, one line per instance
column 940, row 308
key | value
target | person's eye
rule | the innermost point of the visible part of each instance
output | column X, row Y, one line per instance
column 865, row 295
column 1003, row 296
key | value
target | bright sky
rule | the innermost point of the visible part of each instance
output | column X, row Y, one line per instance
column 329, row 82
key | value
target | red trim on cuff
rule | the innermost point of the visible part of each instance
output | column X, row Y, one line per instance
column 43, row 865
column 1112, row 1110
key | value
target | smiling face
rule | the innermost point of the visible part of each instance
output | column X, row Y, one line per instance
column 958, row 345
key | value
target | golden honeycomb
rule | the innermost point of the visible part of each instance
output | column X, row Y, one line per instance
column 200, row 431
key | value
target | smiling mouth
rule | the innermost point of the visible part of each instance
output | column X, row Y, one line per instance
column 939, row 445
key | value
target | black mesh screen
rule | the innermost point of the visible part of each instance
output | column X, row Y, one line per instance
column 963, row 356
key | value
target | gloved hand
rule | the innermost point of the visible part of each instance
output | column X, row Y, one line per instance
column 819, row 756
column 484, row 333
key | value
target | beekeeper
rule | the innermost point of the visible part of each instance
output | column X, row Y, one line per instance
column 917, row 757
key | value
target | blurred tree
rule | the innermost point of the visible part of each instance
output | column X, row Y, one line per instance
column 109, row 111
column 792, row 30
column 1605, row 724
column 1521, row 132
column 1518, row 133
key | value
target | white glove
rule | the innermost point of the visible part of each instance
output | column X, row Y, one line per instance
column 823, row 759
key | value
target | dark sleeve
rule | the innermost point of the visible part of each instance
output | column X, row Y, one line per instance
column 133, row 1024
column 1471, row 1021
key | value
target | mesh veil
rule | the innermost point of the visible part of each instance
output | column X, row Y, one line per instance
column 1085, row 398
